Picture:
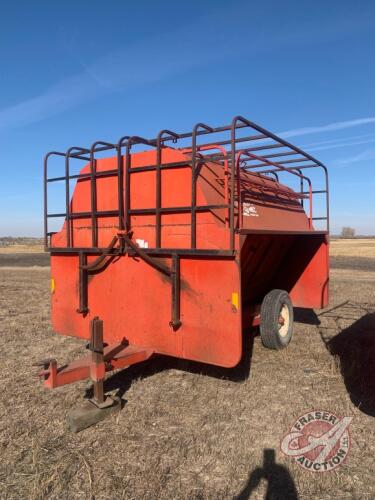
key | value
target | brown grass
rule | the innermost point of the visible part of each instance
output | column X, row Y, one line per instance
column 353, row 248
column 187, row 431
column 21, row 249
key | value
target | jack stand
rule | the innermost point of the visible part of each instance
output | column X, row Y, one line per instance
column 100, row 406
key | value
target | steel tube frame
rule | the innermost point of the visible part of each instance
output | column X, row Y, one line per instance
column 193, row 224
column 124, row 209
column 158, row 181
column 93, row 191
column 277, row 167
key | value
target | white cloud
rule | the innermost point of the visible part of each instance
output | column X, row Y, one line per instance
column 331, row 127
column 341, row 145
column 368, row 154
column 337, row 140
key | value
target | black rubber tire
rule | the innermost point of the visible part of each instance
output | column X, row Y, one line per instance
column 270, row 310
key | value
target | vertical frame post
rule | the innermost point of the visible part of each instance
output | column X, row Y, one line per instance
column 97, row 369
column 67, row 201
column 193, row 243
column 176, row 292
column 159, row 141
column 94, row 228
column 83, row 284
column 45, row 194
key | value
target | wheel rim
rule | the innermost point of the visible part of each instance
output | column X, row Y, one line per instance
column 284, row 320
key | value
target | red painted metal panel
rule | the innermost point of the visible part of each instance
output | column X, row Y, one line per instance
column 176, row 191
column 312, row 287
column 297, row 263
column 134, row 301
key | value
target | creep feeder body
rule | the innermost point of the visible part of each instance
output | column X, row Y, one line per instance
column 174, row 241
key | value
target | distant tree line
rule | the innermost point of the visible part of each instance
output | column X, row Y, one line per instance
column 7, row 241
column 347, row 232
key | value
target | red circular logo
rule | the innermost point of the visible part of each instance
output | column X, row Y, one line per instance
column 319, row 441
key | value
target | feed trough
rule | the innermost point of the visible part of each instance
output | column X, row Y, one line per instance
column 176, row 245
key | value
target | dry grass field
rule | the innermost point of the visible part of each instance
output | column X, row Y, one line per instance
column 356, row 254
column 16, row 249
column 189, row 431
column 361, row 247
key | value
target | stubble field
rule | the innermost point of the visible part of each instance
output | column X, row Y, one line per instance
column 189, row 431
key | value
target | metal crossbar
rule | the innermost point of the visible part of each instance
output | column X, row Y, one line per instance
column 252, row 148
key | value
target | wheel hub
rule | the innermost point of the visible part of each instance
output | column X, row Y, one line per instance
column 284, row 320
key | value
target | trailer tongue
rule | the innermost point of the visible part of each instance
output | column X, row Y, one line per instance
column 175, row 245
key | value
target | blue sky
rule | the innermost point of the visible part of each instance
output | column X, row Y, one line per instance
column 74, row 72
